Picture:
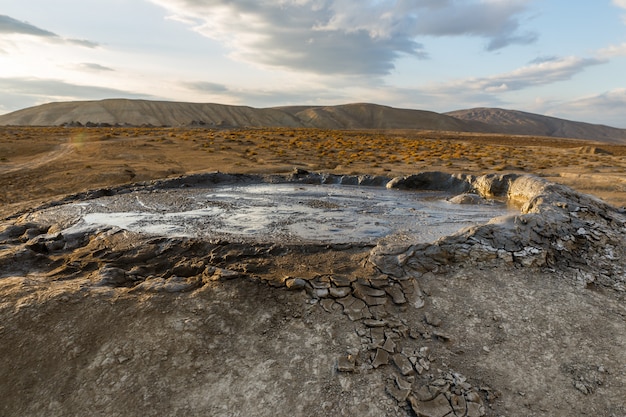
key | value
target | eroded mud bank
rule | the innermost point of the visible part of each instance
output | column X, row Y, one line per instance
column 391, row 339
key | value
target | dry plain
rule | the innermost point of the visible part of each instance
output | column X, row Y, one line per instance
column 38, row 163
column 500, row 336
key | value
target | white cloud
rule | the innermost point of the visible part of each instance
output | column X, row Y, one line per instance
column 606, row 108
column 346, row 36
column 545, row 71
column 613, row 51
column 10, row 26
column 620, row 3
column 43, row 89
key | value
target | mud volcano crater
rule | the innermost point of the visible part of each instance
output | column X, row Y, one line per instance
column 335, row 275
column 333, row 210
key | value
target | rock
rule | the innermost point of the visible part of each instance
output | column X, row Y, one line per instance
column 381, row 358
column 11, row 231
column 346, row 363
column 438, row 407
column 111, row 276
column 181, row 284
column 581, row 387
column 431, row 319
column 328, row 305
column 403, row 364
column 396, row 294
column 354, row 308
column 361, row 291
column 374, row 323
column 389, row 345
column 378, row 337
column 295, row 283
column 339, row 292
column 222, row 274
column 321, row 292
column 399, row 394
column 341, row 281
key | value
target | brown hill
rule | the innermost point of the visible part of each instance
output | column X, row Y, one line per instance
column 347, row 116
column 144, row 112
column 373, row 116
column 521, row 123
column 160, row 113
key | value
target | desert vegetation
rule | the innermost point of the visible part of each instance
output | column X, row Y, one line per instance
column 72, row 159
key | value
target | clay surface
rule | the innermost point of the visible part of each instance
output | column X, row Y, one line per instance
column 520, row 315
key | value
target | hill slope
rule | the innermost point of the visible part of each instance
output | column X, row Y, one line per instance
column 523, row 123
column 347, row 116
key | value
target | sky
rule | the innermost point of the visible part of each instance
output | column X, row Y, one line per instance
column 560, row 58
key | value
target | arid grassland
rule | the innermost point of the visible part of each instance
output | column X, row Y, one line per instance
column 38, row 163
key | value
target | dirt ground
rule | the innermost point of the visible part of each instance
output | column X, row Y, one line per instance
column 37, row 164
column 228, row 329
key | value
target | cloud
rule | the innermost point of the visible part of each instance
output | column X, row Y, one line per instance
column 266, row 97
column 31, row 91
column 362, row 37
column 542, row 72
column 91, row 67
column 606, row 108
column 613, row 51
column 206, row 87
column 620, row 3
column 9, row 25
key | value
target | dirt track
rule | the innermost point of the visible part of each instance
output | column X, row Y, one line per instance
column 113, row 323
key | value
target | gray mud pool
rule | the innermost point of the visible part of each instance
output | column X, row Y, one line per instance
column 281, row 213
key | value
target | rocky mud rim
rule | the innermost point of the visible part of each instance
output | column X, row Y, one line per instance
column 575, row 236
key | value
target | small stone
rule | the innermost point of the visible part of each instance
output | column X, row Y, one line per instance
column 475, row 410
column 328, row 305
column 403, row 383
column 403, row 364
column 321, row 292
column 581, row 387
column 437, row 407
column 377, row 336
column 320, row 283
column 361, row 291
column 379, row 312
column 381, row 358
column 346, row 363
column 295, row 283
column 357, row 310
column 432, row 319
column 339, row 292
column 379, row 283
column 442, row 335
column 389, row 345
column 341, row 281
column 399, row 394
column 458, row 403
column 374, row 323
column 396, row 294
column 473, row 397
column 374, row 301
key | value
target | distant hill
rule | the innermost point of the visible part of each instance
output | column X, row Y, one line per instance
column 348, row 116
column 521, row 123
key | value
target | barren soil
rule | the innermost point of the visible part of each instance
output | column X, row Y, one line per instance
column 519, row 319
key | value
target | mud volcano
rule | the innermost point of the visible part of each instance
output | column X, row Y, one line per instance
column 245, row 209
column 314, row 294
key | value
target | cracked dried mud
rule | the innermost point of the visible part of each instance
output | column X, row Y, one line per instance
column 521, row 315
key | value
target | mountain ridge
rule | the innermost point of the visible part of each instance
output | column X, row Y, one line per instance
column 345, row 116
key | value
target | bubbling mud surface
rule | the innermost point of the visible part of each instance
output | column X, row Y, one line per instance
column 265, row 212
